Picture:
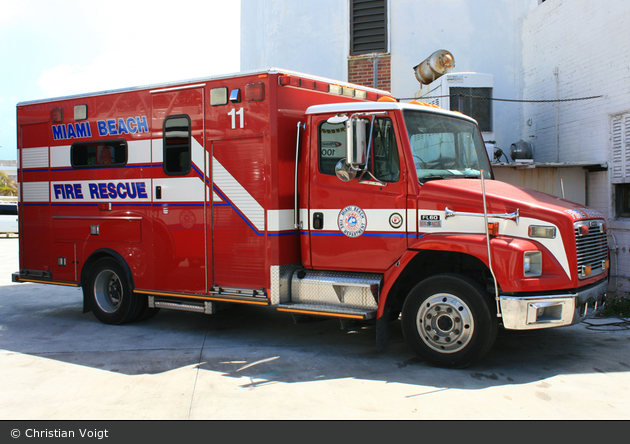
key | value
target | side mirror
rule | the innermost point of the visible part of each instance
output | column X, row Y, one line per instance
column 361, row 143
column 338, row 119
column 356, row 144
column 344, row 171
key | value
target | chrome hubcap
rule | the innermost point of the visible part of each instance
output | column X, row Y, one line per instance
column 445, row 323
column 108, row 291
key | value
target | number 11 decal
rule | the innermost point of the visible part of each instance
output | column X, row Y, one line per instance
column 241, row 114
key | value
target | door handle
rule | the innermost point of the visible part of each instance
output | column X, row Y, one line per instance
column 318, row 221
column 158, row 192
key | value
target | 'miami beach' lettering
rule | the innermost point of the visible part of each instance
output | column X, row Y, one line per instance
column 109, row 127
column 131, row 125
column 79, row 130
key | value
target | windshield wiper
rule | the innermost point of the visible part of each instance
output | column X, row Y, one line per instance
column 447, row 176
column 434, row 177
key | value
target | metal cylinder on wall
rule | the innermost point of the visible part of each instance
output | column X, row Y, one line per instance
column 434, row 66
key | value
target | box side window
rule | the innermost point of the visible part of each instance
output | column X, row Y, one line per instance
column 177, row 145
column 99, row 154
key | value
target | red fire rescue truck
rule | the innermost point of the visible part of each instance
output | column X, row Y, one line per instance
column 308, row 195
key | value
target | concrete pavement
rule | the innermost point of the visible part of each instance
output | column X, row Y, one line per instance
column 246, row 363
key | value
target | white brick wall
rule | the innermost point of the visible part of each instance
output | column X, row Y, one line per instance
column 585, row 42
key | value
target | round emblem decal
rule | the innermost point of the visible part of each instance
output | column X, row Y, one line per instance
column 352, row 221
column 395, row 220
column 187, row 219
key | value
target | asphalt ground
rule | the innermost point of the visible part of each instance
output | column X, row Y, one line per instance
column 248, row 363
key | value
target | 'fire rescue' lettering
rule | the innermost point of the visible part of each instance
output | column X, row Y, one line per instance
column 101, row 190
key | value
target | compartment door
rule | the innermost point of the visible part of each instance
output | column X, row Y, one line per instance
column 180, row 219
column 34, row 212
column 239, row 248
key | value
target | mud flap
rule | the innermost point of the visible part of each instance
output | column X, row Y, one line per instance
column 382, row 332
column 87, row 307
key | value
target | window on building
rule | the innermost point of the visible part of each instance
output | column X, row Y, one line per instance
column 474, row 102
column 368, row 26
column 177, row 145
column 622, row 200
column 620, row 132
column 620, row 168
column 102, row 153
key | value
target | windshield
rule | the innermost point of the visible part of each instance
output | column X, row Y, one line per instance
column 445, row 147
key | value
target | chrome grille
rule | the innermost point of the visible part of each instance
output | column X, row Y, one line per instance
column 592, row 247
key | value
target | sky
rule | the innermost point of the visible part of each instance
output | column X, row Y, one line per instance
column 64, row 47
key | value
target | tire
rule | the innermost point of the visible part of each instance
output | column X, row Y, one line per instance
column 111, row 294
column 147, row 312
column 449, row 321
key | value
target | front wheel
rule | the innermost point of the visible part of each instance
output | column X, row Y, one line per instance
column 111, row 294
column 448, row 321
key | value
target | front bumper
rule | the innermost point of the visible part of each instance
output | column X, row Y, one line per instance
column 532, row 312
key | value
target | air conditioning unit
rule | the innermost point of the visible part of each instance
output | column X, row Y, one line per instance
column 469, row 93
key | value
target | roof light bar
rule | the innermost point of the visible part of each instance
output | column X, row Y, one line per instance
column 317, row 85
column 335, row 89
column 307, row 83
column 322, row 86
column 288, row 80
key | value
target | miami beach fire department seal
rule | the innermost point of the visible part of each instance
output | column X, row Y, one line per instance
column 352, row 221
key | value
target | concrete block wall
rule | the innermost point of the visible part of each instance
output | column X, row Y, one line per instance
column 573, row 49
column 309, row 37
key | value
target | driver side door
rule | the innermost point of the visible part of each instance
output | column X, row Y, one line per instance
column 358, row 224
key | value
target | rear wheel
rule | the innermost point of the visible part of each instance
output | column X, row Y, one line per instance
column 111, row 295
column 448, row 321
column 147, row 312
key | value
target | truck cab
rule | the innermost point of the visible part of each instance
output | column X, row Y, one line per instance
column 406, row 192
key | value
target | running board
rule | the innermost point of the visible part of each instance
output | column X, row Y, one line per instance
column 205, row 307
column 238, row 295
column 328, row 310
column 238, row 299
column 198, row 300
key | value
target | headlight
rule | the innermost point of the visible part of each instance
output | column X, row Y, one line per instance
column 532, row 263
column 540, row 231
